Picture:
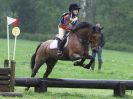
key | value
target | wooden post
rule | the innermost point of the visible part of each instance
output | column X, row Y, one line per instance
column 6, row 63
column 42, row 87
column 4, row 79
column 12, row 79
column 120, row 89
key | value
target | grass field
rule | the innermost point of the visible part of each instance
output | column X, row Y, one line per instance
column 116, row 65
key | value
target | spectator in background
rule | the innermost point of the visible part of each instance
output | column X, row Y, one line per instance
column 99, row 51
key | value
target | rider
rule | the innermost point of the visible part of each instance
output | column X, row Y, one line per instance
column 68, row 22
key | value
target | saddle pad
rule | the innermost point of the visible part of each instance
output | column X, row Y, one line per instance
column 53, row 44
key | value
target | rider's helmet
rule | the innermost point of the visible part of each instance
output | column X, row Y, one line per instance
column 74, row 6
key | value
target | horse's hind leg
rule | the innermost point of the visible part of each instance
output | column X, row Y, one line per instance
column 34, row 71
column 50, row 65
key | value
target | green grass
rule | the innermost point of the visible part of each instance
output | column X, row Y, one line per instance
column 116, row 65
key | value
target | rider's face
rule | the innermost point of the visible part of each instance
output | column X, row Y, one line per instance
column 75, row 12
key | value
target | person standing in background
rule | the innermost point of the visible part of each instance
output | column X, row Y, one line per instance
column 99, row 51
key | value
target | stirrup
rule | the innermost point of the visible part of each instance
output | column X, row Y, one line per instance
column 59, row 53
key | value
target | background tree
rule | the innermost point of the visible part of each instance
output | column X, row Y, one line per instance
column 41, row 17
column 26, row 11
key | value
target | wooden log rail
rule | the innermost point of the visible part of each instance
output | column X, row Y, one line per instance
column 119, row 86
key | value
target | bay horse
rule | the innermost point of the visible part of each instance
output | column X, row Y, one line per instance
column 77, row 48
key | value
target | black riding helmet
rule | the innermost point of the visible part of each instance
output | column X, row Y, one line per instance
column 74, row 6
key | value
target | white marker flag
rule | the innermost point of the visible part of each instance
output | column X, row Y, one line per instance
column 10, row 20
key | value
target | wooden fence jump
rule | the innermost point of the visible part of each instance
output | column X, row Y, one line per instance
column 41, row 85
column 7, row 79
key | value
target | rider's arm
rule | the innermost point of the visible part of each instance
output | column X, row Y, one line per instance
column 75, row 24
column 64, row 23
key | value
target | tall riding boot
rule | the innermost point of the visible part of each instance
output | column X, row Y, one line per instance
column 59, row 47
column 99, row 65
column 93, row 65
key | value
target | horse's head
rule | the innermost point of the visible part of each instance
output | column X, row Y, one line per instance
column 95, row 37
column 88, row 34
column 83, row 32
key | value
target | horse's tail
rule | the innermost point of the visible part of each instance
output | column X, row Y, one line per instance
column 33, row 57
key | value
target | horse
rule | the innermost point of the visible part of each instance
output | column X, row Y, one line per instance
column 98, row 34
column 77, row 48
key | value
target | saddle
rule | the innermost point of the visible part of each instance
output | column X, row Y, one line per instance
column 64, row 42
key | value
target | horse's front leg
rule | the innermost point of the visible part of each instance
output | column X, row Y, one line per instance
column 76, row 56
column 87, row 66
column 79, row 62
column 82, row 58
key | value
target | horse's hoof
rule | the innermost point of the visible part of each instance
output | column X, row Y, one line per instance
column 77, row 64
column 87, row 66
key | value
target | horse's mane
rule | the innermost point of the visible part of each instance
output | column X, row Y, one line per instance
column 82, row 25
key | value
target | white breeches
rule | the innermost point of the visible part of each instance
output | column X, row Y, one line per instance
column 61, row 33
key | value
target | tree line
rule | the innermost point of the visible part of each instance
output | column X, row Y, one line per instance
column 39, row 18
